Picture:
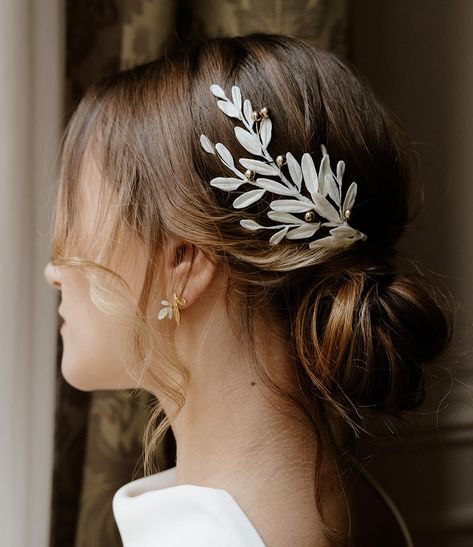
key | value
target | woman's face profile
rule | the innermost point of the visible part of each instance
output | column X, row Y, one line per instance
column 93, row 341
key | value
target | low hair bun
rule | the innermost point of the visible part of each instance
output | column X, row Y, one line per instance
column 410, row 330
column 364, row 336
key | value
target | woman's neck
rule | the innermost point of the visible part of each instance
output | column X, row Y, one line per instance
column 230, row 434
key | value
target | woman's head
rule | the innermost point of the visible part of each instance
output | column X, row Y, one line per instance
column 357, row 330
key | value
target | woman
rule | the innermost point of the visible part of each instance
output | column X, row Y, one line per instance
column 224, row 239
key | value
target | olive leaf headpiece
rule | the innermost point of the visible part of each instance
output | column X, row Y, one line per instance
column 260, row 175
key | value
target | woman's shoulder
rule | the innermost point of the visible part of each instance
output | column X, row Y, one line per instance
column 154, row 511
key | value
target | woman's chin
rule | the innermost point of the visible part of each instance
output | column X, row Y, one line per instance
column 78, row 378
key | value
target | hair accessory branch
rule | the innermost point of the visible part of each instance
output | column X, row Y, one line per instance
column 259, row 174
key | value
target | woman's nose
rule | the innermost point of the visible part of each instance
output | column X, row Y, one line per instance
column 52, row 275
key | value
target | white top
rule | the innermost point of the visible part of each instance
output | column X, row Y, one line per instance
column 155, row 512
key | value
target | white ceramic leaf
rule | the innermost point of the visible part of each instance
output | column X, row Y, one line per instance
column 360, row 235
column 350, row 196
column 275, row 187
column 226, row 183
column 248, row 141
column 324, row 150
column 229, row 109
column 258, row 167
column 340, row 173
column 310, row 174
column 250, row 224
column 332, row 188
column 248, row 198
column 236, row 96
column 224, row 154
column 206, row 144
column 285, row 218
column 247, row 110
column 217, row 91
column 294, row 170
column 277, row 237
column 325, row 208
column 328, row 241
column 324, row 170
column 290, row 206
column 164, row 302
column 307, row 230
column 265, row 131
column 343, row 231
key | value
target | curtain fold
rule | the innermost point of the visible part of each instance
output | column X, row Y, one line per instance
column 30, row 110
column 99, row 435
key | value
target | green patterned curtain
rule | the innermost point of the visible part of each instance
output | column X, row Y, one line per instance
column 98, row 437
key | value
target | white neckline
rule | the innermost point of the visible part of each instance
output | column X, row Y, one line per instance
column 159, row 496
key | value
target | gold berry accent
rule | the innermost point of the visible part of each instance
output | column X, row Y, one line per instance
column 264, row 112
column 280, row 161
column 250, row 174
column 309, row 216
column 255, row 116
column 347, row 213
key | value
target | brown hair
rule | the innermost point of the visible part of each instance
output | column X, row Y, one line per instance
column 358, row 329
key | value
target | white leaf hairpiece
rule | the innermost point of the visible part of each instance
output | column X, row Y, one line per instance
column 322, row 185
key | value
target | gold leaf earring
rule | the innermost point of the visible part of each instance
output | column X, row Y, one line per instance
column 172, row 309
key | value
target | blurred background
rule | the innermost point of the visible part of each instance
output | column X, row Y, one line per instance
column 65, row 452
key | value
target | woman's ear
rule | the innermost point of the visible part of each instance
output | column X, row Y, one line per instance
column 191, row 271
